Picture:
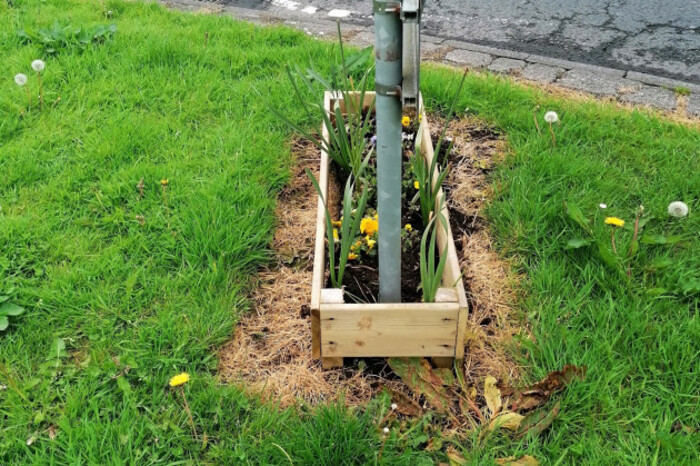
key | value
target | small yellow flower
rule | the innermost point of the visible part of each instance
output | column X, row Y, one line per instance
column 164, row 182
column 405, row 121
column 180, row 379
column 369, row 226
column 335, row 234
column 416, row 184
column 408, row 227
column 352, row 256
column 376, row 216
column 370, row 242
column 420, row 117
column 339, row 223
column 618, row 222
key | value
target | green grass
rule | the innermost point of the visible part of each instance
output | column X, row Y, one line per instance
column 155, row 103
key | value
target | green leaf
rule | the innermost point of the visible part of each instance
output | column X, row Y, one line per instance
column 10, row 309
column 58, row 349
column 39, row 418
column 661, row 239
column 576, row 214
column 654, row 292
column 576, row 243
column 4, row 323
column 608, row 258
column 124, row 385
column 4, row 298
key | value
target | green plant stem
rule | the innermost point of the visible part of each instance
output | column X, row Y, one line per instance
column 612, row 239
column 189, row 412
column 554, row 139
column 41, row 91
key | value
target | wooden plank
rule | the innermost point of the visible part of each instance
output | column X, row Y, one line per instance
column 331, row 296
column 319, row 271
column 452, row 276
column 445, row 295
column 388, row 330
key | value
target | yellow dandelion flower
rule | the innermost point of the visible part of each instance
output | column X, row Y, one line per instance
column 614, row 221
column 164, row 182
column 416, row 184
column 408, row 227
column 335, row 234
column 405, row 121
column 369, row 226
column 352, row 256
column 180, row 379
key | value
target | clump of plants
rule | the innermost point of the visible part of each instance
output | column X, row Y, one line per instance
column 8, row 309
column 67, row 37
column 619, row 247
column 349, row 138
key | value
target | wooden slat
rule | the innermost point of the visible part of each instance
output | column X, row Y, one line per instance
column 452, row 275
column 389, row 330
column 331, row 296
column 320, row 251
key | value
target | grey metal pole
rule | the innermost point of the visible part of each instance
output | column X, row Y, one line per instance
column 388, row 32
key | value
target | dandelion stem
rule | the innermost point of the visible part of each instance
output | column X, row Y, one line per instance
column 634, row 240
column 189, row 412
column 534, row 117
column 29, row 100
column 41, row 92
column 612, row 239
column 551, row 131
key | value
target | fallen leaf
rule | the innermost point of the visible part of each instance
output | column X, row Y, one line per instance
column 456, row 459
column 52, row 431
column 506, row 420
column 526, row 460
column 492, row 395
column 420, row 377
column 537, row 421
column 530, row 397
column 404, row 404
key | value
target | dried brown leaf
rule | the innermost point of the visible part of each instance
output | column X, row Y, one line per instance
column 506, row 420
column 537, row 421
column 526, row 460
column 492, row 395
column 456, row 459
column 404, row 404
column 530, row 397
column 420, row 377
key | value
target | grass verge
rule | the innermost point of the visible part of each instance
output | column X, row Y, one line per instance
column 126, row 288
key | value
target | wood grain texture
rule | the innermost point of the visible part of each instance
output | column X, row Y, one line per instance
column 402, row 330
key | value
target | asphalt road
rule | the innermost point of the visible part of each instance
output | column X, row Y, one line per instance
column 660, row 37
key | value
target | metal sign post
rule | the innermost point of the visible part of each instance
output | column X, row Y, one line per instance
column 397, row 36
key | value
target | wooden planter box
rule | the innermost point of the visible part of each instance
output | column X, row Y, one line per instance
column 386, row 330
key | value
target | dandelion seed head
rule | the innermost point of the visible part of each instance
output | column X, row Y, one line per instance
column 551, row 117
column 678, row 209
column 386, row 430
column 21, row 79
column 603, row 206
column 38, row 65
column 394, row 406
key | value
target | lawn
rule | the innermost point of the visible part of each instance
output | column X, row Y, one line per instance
column 126, row 286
